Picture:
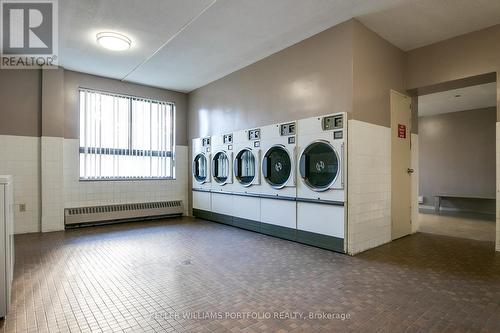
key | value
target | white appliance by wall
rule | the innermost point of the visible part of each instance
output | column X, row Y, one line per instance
column 278, row 190
column 321, row 194
column 6, row 242
column 247, row 183
column 261, row 182
column 222, row 178
column 201, row 176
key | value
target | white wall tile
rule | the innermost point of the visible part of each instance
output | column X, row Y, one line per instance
column 46, row 176
column 52, row 184
column 19, row 156
column 369, row 186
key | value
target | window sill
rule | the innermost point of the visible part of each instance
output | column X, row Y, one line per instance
column 124, row 180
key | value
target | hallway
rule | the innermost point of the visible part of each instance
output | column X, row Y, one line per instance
column 469, row 227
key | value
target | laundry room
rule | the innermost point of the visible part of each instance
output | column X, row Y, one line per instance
column 249, row 166
column 296, row 85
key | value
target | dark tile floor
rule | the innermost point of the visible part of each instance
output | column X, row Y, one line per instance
column 189, row 275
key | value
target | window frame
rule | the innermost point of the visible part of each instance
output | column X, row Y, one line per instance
column 171, row 154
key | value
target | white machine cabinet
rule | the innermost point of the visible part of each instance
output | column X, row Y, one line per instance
column 6, row 242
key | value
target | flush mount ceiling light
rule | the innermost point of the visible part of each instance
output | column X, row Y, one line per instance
column 113, row 41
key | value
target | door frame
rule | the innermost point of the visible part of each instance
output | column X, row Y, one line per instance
column 410, row 190
column 466, row 81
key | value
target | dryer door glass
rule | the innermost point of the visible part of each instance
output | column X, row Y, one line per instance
column 200, row 168
column 319, row 165
column 220, row 167
column 244, row 167
column 277, row 166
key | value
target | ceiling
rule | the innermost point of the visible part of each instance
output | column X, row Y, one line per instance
column 415, row 23
column 468, row 98
column 184, row 44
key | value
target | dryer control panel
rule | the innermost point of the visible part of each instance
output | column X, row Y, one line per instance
column 205, row 142
column 254, row 134
column 287, row 129
column 227, row 138
column 333, row 123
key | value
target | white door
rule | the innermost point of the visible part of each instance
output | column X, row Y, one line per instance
column 400, row 164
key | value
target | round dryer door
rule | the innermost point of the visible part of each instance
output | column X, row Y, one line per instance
column 277, row 166
column 244, row 167
column 220, row 167
column 200, row 168
column 319, row 165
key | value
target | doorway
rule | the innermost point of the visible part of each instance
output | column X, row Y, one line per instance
column 401, row 170
column 457, row 159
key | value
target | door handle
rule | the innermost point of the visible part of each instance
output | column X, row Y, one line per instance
column 410, row 171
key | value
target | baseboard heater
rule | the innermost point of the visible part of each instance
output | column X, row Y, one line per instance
column 85, row 216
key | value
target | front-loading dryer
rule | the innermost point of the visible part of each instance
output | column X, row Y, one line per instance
column 278, row 189
column 321, row 189
column 247, row 183
column 222, row 178
column 201, row 177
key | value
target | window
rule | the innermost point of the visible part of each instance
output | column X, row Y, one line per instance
column 124, row 137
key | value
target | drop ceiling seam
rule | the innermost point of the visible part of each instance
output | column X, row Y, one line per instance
column 184, row 27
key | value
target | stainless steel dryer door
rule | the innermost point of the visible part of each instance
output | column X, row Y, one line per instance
column 244, row 167
column 319, row 165
column 277, row 166
column 200, row 168
column 220, row 167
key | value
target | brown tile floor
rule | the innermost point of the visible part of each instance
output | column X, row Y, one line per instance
column 145, row 277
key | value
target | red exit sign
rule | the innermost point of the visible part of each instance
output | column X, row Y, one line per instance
column 401, row 131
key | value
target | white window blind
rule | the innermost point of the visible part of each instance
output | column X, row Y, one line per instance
column 125, row 137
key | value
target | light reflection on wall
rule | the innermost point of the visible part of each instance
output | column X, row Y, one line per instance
column 223, row 121
column 306, row 93
column 432, row 128
column 204, row 122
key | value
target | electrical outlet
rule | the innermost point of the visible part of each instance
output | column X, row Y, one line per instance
column 22, row 207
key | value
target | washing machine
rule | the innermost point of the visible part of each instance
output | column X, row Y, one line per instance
column 278, row 213
column 321, row 188
column 222, row 178
column 246, row 185
column 201, row 177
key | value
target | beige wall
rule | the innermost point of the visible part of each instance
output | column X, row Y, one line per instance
column 345, row 68
column 53, row 103
column 75, row 80
column 457, row 156
column 310, row 78
column 456, row 58
column 378, row 68
column 44, row 103
column 20, row 102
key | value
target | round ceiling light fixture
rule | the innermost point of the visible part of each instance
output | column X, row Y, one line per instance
column 113, row 41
